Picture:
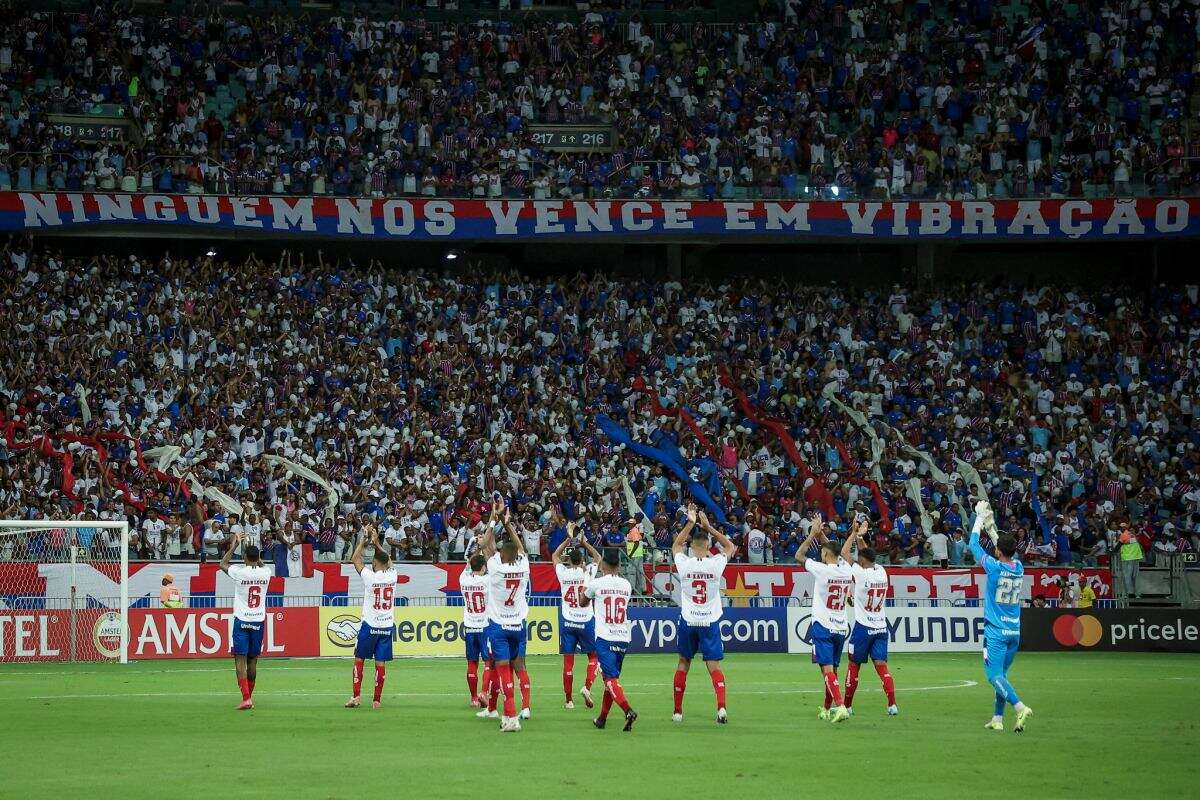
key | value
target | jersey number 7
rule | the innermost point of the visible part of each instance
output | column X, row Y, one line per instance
column 513, row 585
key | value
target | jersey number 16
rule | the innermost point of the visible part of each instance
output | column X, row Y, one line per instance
column 614, row 610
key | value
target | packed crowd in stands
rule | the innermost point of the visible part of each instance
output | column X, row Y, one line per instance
column 419, row 395
column 818, row 98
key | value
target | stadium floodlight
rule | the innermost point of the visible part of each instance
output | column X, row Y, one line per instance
column 73, row 602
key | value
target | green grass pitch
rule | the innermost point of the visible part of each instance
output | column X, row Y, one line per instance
column 1105, row 725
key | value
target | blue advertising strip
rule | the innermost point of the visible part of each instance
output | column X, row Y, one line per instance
column 743, row 630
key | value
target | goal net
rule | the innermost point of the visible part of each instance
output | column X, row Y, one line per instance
column 64, row 590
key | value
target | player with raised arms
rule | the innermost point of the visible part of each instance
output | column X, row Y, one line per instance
column 250, row 581
column 832, row 579
column 700, row 573
column 473, row 585
column 869, row 636
column 507, row 611
column 609, row 593
column 576, row 622
column 1001, row 614
column 378, row 614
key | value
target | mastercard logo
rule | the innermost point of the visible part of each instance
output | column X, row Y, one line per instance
column 1084, row 630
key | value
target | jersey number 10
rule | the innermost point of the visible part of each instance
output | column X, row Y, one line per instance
column 475, row 602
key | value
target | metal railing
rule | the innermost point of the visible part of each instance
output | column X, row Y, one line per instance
column 36, row 603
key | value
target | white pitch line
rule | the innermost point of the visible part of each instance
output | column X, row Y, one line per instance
column 962, row 684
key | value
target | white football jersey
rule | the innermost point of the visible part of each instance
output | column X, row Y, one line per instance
column 379, row 588
column 571, row 581
column 249, row 592
column 700, row 587
column 610, row 594
column 831, row 590
column 474, row 590
column 507, row 587
column 870, row 595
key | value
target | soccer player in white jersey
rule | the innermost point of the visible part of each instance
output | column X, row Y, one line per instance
column 473, row 585
column 378, row 614
column 576, row 623
column 832, row 585
column 869, row 636
column 507, row 610
column 700, row 573
column 609, row 594
column 250, row 580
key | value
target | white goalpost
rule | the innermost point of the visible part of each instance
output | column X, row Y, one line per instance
column 64, row 590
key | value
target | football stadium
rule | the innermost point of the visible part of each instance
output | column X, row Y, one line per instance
column 599, row 398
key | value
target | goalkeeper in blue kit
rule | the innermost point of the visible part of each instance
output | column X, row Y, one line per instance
column 1001, row 614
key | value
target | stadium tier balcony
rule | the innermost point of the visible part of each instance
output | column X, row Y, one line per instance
column 974, row 100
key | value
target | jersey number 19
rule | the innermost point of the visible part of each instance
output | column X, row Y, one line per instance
column 382, row 598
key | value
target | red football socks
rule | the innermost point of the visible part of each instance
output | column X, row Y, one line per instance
column 889, row 686
column 358, row 676
column 523, row 677
column 605, row 705
column 568, row 675
column 680, row 686
column 506, row 688
column 489, row 679
column 718, row 682
column 831, row 686
column 473, row 678
column 244, row 687
column 851, row 683
column 613, row 688
column 592, row 668
column 380, row 674
column 493, row 690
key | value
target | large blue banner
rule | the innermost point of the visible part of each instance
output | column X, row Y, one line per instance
column 743, row 630
column 434, row 219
